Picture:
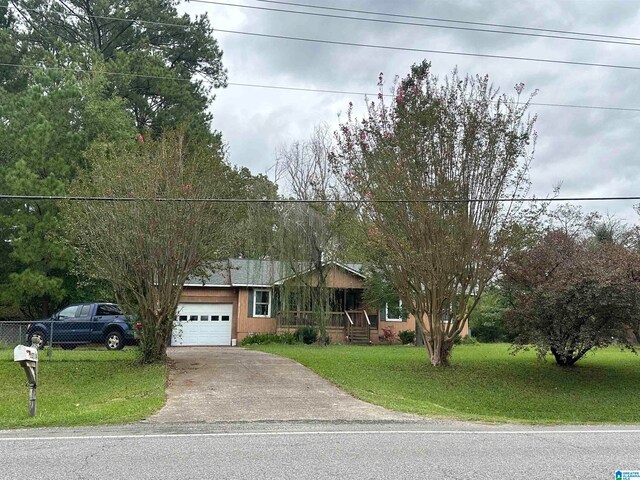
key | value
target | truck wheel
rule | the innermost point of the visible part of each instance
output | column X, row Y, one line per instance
column 114, row 340
column 38, row 337
column 68, row 346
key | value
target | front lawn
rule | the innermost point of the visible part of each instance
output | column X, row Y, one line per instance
column 81, row 387
column 483, row 383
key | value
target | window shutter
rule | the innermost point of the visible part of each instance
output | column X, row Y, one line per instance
column 274, row 303
column 383, row 313
column 250, row 311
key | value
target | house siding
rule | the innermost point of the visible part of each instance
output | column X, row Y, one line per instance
column 248, row 324
column 339, row 278
column 409, row 324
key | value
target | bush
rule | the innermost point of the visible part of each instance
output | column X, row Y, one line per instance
column 466, row 340
column 388, row 335
column 266, row 338
column 407, row 336
column 306, row 335
column 486, row 322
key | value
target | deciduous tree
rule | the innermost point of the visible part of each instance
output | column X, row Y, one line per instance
column 433, row 163
column 570, row 295
column 147, row 249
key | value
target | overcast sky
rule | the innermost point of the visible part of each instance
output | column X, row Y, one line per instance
column 591, row 152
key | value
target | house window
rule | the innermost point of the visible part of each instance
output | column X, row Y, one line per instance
column 394, row 311
column 262, row 303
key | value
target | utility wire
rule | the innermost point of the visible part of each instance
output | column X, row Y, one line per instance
column 344, row 92
column 289, row 200
column 382, row 47
column 299, row 89
column 424, row 50
column 614, row 39
column 448, row 20
column 416, row 24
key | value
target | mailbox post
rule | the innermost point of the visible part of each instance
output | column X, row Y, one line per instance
column 28, row 359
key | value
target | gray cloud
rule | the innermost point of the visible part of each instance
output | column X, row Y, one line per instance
column 590, row 152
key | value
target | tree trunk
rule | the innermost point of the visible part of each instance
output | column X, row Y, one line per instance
column 438, row 346
column 568, row 359
column 419, row 335
column 153, row 341
column 439, row 353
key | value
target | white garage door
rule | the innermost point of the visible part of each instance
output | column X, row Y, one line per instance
column 202, row 324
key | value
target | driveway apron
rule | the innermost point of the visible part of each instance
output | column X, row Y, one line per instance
column 226, row 384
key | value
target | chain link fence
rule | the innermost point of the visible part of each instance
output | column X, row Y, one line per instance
column 50, row 335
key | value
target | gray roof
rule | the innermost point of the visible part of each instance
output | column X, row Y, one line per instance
column 242, row 272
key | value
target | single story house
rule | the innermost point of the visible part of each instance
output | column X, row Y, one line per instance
column 245, row 297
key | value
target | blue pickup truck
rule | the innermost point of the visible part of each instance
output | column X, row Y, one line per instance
column 84, row 323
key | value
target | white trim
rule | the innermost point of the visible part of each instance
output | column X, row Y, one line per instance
column 268, row 315
column 389, row 319
column 312, row 269
column 532, row 431
column 349, row 269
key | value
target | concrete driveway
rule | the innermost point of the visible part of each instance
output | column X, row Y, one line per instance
column 224, row 384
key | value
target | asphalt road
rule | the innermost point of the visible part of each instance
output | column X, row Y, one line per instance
column 320, row 450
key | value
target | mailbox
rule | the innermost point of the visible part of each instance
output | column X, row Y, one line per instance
column 28, row 358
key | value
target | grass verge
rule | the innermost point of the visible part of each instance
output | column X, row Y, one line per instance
column 484, row 382
column 81, row 387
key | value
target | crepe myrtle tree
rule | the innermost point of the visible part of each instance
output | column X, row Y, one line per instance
column 148, row 248
column 458, row 139
column 569, row 295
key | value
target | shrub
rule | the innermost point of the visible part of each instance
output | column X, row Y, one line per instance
column 466, row 340
column 486, row 322
column 306, row 335
column 266, row 338
column 388, row 335
column 407, row 336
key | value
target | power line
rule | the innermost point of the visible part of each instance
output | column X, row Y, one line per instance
column 289, row 200
column 424, row 50
column 103, row 17
column 634, row 41
column 415, row 24
column 385, row 47
column 343, row 92
column 449, row 20
column 298, row 89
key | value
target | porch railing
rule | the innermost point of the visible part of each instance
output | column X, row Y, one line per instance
column 303, row 318
column 307, row 318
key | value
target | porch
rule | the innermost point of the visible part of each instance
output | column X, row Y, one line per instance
column 353, row 326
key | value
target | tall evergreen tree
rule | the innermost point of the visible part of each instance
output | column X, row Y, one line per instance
column 164, row 64
column 44, row 132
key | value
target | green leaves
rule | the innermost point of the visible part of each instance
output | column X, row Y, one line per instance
column 46, row 129
column 139, row 39
column 571, row 295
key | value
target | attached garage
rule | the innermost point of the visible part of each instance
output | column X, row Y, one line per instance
column 203, row 324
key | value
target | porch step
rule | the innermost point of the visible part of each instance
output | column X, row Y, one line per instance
column 359, row 337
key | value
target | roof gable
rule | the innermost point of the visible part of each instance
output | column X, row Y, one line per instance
column 241, row 272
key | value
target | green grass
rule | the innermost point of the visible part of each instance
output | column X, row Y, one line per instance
column 81, row 387
column 484, row 382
